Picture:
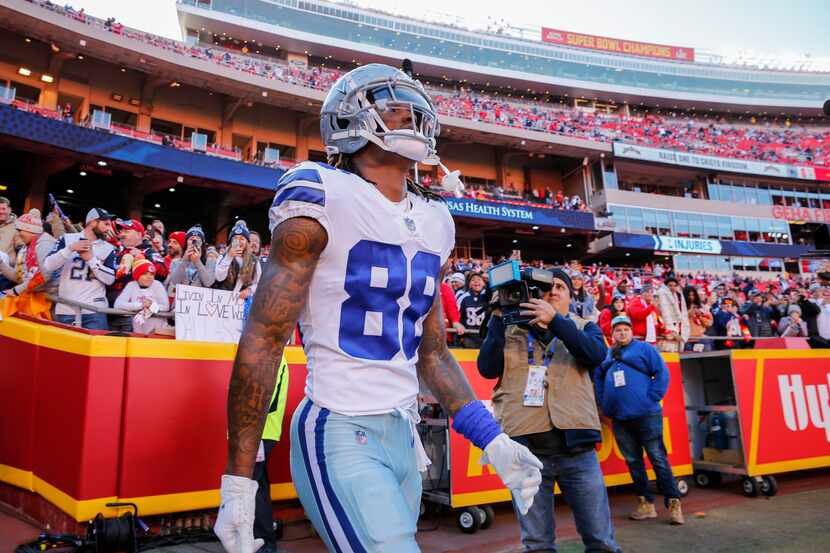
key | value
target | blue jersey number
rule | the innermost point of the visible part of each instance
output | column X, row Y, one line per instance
column 376, row 275
column 79, row 270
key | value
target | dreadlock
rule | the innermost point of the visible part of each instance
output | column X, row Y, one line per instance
column 344, row 162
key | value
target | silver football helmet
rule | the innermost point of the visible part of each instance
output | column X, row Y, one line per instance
column 350, row 117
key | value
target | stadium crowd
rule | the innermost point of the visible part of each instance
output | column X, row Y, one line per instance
column 106, row 262
column 785, row 143
column 674, row 312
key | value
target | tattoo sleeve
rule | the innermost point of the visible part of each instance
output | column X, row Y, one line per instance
column 436, row 365
column 296, row 245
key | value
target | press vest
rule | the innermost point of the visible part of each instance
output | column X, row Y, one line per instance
column 570, row 403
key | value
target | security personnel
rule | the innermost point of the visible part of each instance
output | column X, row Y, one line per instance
column 263, row 515
column 544, row 399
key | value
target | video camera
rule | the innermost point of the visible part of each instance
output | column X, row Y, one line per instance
column 516, row 286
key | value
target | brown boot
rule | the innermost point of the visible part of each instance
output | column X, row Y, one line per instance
column 644, row 510
column 675, row 512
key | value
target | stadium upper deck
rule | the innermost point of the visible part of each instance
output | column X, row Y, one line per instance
column 343, row 32
column 667, row 176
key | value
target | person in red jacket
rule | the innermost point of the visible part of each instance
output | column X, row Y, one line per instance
column 451, row 314
column 617, row 307
column 645, row 315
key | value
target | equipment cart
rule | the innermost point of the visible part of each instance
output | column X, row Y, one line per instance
column 753, row 414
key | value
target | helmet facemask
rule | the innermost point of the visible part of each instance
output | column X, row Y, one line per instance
column 365, row 105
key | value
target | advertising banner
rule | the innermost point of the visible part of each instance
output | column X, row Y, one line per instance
column 713, row 163
column 617, row 45
column 467, row 207
column 801, row 214
column 784, row 409
column 474, row 484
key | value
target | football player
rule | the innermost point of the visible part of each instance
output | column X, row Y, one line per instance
column 358, row 253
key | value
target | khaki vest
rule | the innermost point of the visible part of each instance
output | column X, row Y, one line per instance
column 570, row 403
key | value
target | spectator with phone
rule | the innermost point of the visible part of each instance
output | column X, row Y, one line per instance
column 87, row 264
column 195, row 268
column 238, row 269
column 792, row 326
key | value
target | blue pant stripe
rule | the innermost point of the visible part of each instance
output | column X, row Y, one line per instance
column 304, row 449
column 345, row 523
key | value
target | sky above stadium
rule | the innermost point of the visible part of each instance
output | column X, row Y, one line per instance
column 767, row 27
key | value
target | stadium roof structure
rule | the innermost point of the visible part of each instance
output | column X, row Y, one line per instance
column 165, row 66
column 333, row 31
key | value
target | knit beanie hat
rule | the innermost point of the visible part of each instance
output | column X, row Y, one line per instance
column 240, row 229
column 142, row 266
column 195, row 230
column 179, row 237
column 30, row 222
column 564, row 277
column 457, row 277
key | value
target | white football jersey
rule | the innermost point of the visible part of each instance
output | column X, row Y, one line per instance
column 373, row 286
column 80, row 280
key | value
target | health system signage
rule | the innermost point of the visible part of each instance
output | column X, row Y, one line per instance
column 466, row 207
column 659, row 155
column 686, row 245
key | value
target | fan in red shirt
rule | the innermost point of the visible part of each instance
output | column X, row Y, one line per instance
column 616, row 307
column 451, row 308
column 645, row 315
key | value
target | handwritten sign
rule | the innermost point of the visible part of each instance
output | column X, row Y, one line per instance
column 207, row 315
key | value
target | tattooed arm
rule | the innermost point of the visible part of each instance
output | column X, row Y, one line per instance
column 436, row 365
column 282, row 293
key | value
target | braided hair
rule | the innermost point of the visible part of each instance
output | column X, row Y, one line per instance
column 344, row 162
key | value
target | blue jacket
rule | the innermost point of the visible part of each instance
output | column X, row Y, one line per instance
column 587, row 346
column 646, row 382
column 721, row 319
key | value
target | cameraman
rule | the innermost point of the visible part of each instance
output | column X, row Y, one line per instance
column 548, row 405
